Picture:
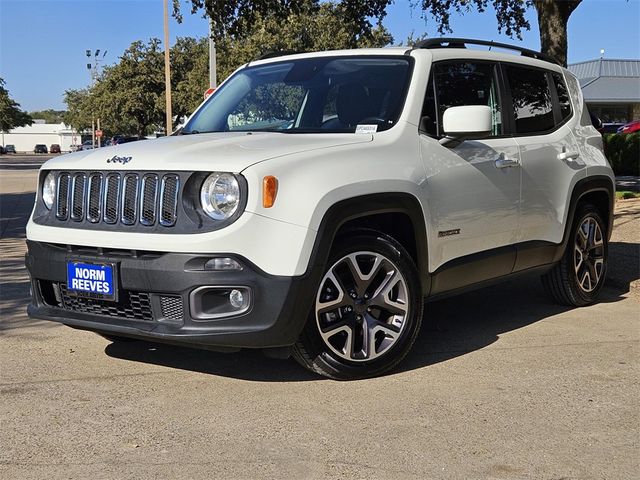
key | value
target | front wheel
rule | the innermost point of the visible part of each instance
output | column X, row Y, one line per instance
column 580, row 274
column 367, row 310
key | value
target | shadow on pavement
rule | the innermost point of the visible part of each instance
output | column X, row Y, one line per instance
column 451, row 327
column 15, row 209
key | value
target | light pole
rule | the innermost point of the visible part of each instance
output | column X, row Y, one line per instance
column 93, row 73
column 167, row 70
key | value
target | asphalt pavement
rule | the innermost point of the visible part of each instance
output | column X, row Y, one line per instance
column 501, row 384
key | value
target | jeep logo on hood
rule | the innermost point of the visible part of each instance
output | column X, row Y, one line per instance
column 117, row 159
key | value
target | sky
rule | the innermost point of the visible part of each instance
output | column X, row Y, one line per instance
column 43, row 42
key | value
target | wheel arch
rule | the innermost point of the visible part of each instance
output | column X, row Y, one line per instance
column 380, row 211
column 598, row 190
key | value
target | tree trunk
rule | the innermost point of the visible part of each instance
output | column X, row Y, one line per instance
column 553, row 16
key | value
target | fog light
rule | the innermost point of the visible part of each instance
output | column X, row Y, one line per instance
column 236, row 299
column 223, row 263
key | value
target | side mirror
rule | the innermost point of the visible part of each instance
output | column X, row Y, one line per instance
column 468, row 122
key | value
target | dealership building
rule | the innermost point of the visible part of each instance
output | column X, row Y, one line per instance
column 26, row 138
column 611, row 88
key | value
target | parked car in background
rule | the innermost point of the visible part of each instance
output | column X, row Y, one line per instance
column 87, row 145
column 9, row 148
column 40, row 148
column 54, row 148
column 1, row 150
column 610, row 127
column 630, row 127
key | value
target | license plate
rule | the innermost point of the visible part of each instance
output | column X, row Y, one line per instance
column 93, row 280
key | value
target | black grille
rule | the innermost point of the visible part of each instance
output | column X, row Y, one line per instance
column 62, row 206
column 77, row 196
column 169, row 196
column 95, row 196
column 149, row 199
column 130, row 305
column 171, row 307
column 126, row 198
column 111, row 198
column 129, row 199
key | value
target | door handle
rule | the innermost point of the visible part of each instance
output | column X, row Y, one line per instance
column 504, row 162
column 567, row 155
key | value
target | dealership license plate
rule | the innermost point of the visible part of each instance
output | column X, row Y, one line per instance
column 93, row 280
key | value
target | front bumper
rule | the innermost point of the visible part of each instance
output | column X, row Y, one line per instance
column 154, row 298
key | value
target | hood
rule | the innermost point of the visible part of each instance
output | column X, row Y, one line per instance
column 226, row 152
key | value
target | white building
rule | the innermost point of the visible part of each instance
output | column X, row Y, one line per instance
column 26, row 138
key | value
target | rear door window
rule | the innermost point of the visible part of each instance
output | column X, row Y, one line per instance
column 531, row 100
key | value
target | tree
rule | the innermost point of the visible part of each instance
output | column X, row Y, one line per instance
column 237, row 18
column 11, row 116
column 79, row 109
column 553, row 16
column 49, row 115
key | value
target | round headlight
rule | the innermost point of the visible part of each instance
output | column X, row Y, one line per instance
column 49, row 190
column 220, row 195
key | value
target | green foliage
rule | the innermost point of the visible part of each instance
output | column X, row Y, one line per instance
column 623, row 152
column 49, row 116
column 237, row 18
column 79, row 109
column 325, row 27
column 11, row 116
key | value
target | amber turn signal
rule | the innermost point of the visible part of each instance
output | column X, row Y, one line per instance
column 269, row 191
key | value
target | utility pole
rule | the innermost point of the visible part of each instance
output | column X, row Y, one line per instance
column 167, row 69
column 93, row 73
column 212, row 58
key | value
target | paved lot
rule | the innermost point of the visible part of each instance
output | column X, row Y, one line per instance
column 502, row 384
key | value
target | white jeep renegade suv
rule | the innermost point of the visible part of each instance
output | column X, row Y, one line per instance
column 313, row 202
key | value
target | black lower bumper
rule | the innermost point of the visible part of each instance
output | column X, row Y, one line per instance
column 155, row 300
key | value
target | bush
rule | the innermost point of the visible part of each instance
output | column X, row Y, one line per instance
column 623, row 152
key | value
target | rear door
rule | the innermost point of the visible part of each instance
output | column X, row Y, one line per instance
column 473, row 189
column 551, row 161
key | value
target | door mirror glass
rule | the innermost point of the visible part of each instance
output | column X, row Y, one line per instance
column 467, row 122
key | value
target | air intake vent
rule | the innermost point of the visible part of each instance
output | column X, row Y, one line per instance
column 129, row 199
column 62, row 206
column 149, row 199
column 111, row 198
column 169, row 194
column 94, row 199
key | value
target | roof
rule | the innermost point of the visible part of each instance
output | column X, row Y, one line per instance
column 609, row 80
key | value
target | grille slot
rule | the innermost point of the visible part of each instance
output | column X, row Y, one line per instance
column 134, row 198
column 169, row 199
column 77, row 196
column 148, row 199
column 62, row 196
column 171, row 307
column 129, row 199
column 111, row 198
column 94, row 192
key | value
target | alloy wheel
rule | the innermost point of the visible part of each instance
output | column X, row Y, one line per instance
column 588, row 254
column 362, row 306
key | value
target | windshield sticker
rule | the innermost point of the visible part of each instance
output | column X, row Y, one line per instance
column 367, row 129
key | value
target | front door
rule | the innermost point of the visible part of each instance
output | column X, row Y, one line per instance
column 473, row 188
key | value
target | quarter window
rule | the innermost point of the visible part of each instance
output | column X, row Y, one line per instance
column 563, row 96
column 532, row 105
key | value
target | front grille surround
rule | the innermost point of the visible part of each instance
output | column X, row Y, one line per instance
column 131, row 201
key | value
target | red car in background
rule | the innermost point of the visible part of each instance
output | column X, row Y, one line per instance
column 630, row 127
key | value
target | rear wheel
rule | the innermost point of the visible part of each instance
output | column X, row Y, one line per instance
column 367, row 311
column 579, row 277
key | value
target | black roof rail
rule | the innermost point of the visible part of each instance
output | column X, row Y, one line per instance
column 463, row 42
column 279, row 54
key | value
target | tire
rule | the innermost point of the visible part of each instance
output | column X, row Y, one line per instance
column 367, row 310
column 571, row 281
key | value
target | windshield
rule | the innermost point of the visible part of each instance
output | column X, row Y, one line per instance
column 314, row 95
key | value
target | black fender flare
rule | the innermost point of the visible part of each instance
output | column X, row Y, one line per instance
column 596, row 183
column 366, row 205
